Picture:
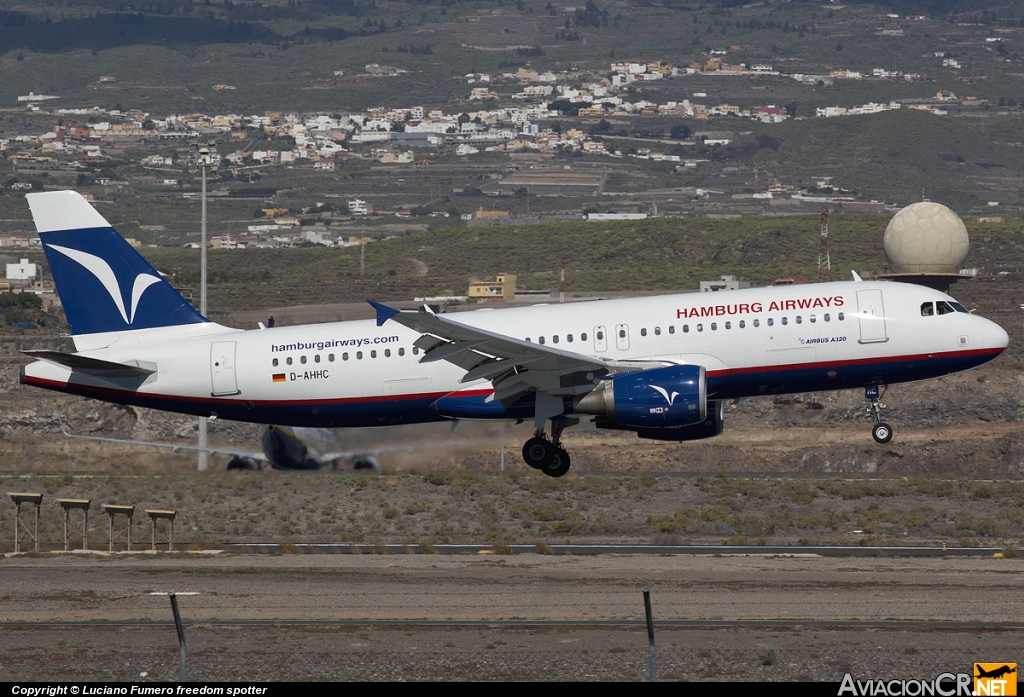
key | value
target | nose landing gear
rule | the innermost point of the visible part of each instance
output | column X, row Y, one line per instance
column 881, row 431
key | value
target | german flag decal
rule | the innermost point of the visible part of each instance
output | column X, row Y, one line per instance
column 279, row 377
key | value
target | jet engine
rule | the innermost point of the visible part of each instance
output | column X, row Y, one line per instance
column 655, row 399
column 709, row 428
column 286, row 451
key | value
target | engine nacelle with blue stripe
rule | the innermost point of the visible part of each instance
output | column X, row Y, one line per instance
column 670, row 397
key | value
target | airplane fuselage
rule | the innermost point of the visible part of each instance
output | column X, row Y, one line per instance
column 752, row 342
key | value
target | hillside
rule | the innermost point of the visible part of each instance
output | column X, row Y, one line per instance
column 895, row 155
column 653, row 254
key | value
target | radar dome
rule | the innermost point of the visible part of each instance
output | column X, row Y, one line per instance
column 926, row 238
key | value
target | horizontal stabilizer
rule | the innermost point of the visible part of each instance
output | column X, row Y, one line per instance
column 92, row 366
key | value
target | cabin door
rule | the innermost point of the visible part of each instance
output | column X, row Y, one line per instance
column 222, row 368
column 872, row 316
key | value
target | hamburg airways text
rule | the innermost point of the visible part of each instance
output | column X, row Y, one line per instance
column 332, row 343
column 754, row 308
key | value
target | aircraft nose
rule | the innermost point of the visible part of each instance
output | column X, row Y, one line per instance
column 996, row 336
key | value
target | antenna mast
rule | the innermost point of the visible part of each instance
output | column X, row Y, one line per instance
column 824, row 260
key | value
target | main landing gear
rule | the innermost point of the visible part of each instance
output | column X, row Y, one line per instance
column 549, row 456
column 881, row 432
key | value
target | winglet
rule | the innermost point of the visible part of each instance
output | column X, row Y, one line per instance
column 384, row 313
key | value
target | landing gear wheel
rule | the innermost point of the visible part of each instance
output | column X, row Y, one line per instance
column 882, row 433
column 539, row 453
column 559, row 465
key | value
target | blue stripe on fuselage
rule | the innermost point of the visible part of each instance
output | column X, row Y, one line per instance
column 408, row 409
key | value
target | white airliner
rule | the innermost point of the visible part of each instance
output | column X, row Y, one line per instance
column 659, row 366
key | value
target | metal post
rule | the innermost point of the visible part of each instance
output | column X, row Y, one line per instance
column 650, row 631
column 203, row 157
column 181, row 635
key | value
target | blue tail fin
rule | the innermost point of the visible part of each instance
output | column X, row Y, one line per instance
column 103, row 283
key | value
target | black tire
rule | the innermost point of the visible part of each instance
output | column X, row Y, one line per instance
column 538, row 453
column 559, row 465
column 882, row 433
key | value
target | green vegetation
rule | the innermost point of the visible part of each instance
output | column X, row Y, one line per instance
column 500, row 510
column 653, row 254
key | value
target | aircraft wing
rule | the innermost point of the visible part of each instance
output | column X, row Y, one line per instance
column 170, row 446
column 515, row 367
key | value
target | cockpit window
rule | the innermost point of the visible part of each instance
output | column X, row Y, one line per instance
column 960, row 308
column 927, row 309
column 943, row 308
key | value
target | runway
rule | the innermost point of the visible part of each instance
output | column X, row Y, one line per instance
column 359, row 616
column 636, row 549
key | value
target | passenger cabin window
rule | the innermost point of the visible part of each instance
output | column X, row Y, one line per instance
column 686, row 329
column 643, row 332
column 344, row 356
column 771, row 322
column 841, row 316
column 541, row 341
column 785, row 320
column 583, row 336
column 714, row 326
column 316, row 358
column 387, row 353
column 600, row 336
column 700, row 327
column 554, row 339
column 827, row 317
column 302, row 360
column 657, row 331
column 359, row 355
column 275, row 362
column 330, row 357
column 743, row 323
column 373, row 354
column 757, row 323
column 672, row 329
column 799, row 319
column 728, row 325
column 288, row 360
column 568, row 337
column 814, row 319
column 401, row 352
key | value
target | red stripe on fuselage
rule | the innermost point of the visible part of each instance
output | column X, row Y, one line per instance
column 81, row 389
column 857, row 361
column 54, row 384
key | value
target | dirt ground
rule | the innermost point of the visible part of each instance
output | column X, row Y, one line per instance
column 365, row 617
